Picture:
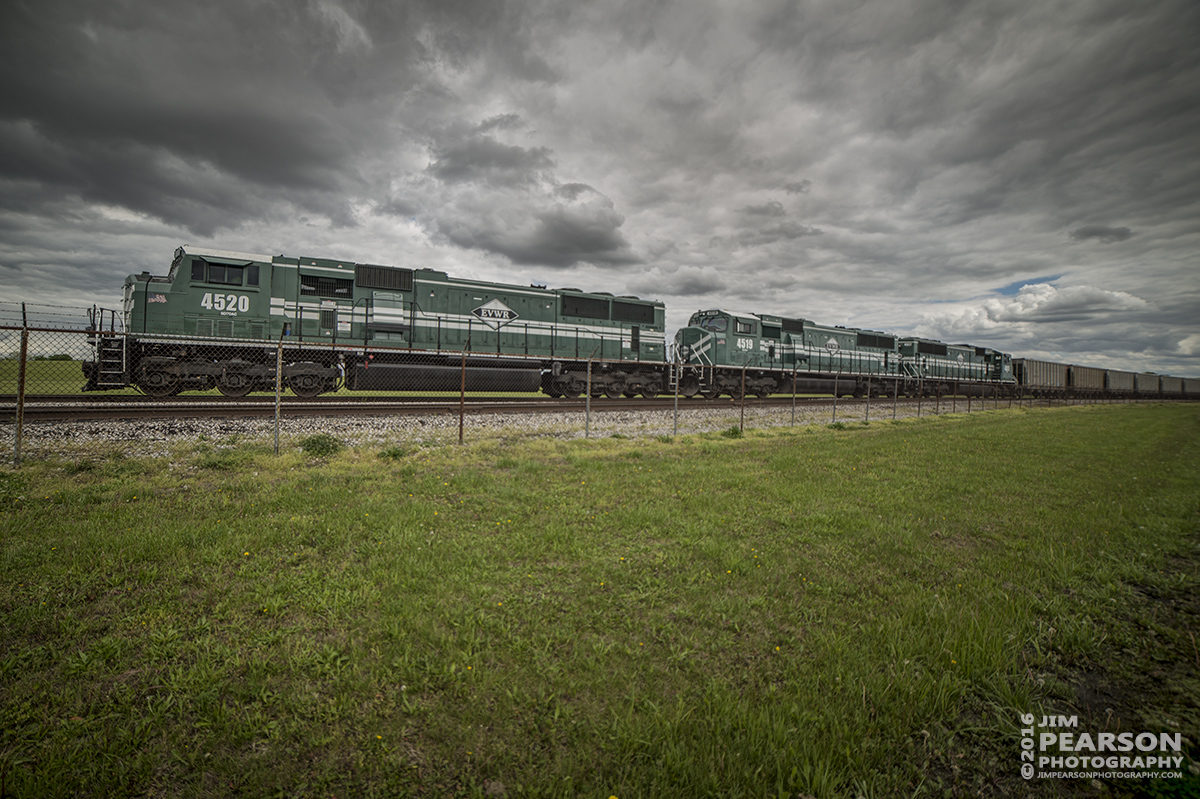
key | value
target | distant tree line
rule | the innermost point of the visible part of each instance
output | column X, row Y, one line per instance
column 62, row 356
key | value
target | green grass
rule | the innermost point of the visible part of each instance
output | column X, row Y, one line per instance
column 861, row 611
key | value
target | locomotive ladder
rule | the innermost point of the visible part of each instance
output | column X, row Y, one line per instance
column 111, row 370
column 110, row 361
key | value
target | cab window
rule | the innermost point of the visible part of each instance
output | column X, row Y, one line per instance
column 224, row 274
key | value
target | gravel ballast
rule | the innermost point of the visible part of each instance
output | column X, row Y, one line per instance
column 153, row 437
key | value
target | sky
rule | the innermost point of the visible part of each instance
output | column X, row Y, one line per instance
column 1020, row 175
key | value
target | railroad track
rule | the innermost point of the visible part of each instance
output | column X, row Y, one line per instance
column 74, row 407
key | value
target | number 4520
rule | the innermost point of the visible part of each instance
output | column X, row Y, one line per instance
column 225, row 302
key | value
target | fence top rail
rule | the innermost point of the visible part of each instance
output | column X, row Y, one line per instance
column 75, row 331
column 22, row 314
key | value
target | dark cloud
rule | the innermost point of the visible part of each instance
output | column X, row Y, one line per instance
column 557, row 229
column 209, row 115
column 683, row 281
column 770, row 234
column 770, row 208
column 483, row 159
column 1106, row 235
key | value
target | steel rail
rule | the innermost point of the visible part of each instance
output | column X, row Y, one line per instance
column 70, row 408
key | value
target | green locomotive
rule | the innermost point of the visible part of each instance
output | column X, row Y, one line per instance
column 727, row 352
column 217, row 318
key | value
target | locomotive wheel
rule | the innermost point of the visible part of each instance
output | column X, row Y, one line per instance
column 235, row 388
column 307, row 385
column 711, row 393
column 160, row 384
column 762, row 393
column 235, row 384
column 689, row 386
column 736, row 393
column 614, row 390
column 650, row 390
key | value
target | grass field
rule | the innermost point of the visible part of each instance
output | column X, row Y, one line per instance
column 795, row 612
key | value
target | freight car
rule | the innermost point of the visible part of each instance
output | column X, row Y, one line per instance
column 1118, row 383
column 1171, row 387
column 1086, row 381
column 1039, row 379
column 215, row 318
column 1145, row 384
column 731, row 352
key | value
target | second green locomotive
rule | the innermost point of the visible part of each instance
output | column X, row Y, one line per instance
column 726, row 352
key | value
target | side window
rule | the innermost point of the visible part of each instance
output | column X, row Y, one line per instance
column 220, row 274
column 252, row 275
column 225, row 275
column 745, row 328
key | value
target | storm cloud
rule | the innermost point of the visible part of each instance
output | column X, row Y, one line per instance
column 1106, row 235
column 916, row 166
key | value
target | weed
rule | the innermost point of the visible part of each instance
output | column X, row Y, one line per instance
column 733, row 432
column 395, row 453
column 12, row 485
column 225, row 460
column 321, row 445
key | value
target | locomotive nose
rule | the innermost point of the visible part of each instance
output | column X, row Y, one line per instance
column 689, row 343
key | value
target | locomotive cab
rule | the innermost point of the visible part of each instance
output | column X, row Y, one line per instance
column 722, row 338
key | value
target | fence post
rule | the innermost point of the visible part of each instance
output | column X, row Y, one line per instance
column 677, row 369
column 793, row 395
column 867, row 418
column 278, row 386
column 835, row 393
column 462, row 390
column 742, row 420
column 21, row 389
column 587, row 401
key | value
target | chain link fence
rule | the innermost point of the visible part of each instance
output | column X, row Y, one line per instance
column 69, row 374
